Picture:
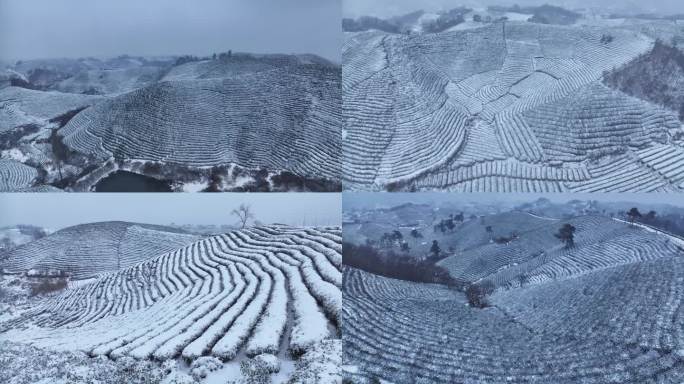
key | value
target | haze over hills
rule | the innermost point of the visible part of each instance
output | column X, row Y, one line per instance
column 511, row 100
column 513, row 296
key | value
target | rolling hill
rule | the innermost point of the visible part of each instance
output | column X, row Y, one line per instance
column 236, row 122
column 257, row 292
column 87, row 250
column 607, row 310
column 507, row 106
column 282, row 118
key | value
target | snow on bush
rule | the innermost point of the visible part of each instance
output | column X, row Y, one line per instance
column 222, row 296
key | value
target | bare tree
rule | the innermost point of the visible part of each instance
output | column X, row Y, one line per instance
column 244, row 213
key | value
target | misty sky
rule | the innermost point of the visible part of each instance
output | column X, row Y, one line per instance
column 103, row 28
column 58, row 210
column 388, row 8
column 383, row 200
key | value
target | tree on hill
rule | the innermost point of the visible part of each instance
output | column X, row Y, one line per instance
column 243, row 213
column 450, row 224
column 477, row 294
column 633, row 214
column 390, row 239
column 650, row 216
column 566, row 234
column 405, row 247
column 416, row 234
column 407, row 268
column 397, row 235
column 435, row 250
column 490, row 231
column 656, row 76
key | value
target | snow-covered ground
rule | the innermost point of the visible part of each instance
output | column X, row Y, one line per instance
column 284, row 116
column 609, row 307
column 259, row 305
column 504, row 106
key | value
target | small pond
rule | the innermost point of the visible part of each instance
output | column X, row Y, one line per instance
column 123, row 181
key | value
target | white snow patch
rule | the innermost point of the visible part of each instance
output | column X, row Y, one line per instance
column 197, row 186
column 14, row 154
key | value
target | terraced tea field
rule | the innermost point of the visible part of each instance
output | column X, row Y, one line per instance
column 510, row 106
column 608, row 310
column 281, row 118
column 87, row 250
column 257, row 122
column 262, row 291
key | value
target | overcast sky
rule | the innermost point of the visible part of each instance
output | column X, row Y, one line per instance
column 388, row 8
column 383, row 200
column 79, row 28
column 58, row 210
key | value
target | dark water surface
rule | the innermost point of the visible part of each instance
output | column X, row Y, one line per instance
column 123, row 181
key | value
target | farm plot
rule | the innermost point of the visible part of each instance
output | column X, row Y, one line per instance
column 263, row 290
column 15, row 175
column 19, row 106
column 406, row 332
column 507, row 107
column 537, row 256
column 87, row 250
column 285, row 118
column 637, row 303
column 236, row 122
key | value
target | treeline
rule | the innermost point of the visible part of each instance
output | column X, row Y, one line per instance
column 403, row 24
column 446, row 20
column 670, row 222
column 367, row 258
column 543, row 14
column 224, row 56
column 365, row 23
column 654, row 76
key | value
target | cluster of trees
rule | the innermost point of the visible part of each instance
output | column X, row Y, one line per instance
column 190, row 58
column 566, row 234
column 223, row 56
column 653, row 76
column 633, row 214
column 448, row 224
column 446, row 20
column 48, row 285
column 670, row 222
column 367, row 258
column 550, row 14
column 186, row 59
column 605, row 38
column 477, row 293
column 365, row 23
column 506, row 239
column 391, row 239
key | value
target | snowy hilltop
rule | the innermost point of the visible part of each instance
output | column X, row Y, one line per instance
column 511, row 99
